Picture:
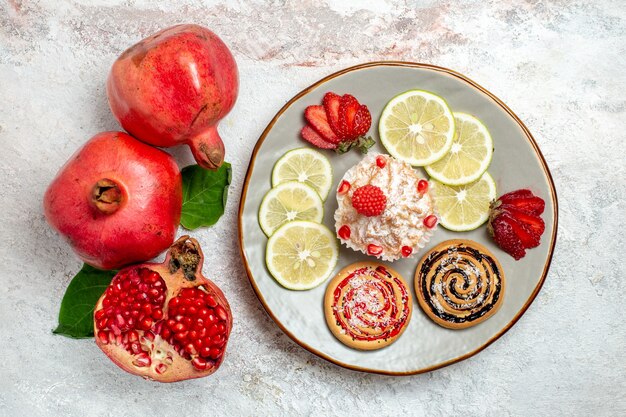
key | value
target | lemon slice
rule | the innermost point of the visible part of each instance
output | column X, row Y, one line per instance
column 307, row 166
column 287, row 202
column 301, row 255
column 469, row 156
column 464, row 207
column 417, row 127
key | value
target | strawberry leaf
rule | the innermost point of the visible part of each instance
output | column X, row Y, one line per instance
column 204, row 195
column 81, row 296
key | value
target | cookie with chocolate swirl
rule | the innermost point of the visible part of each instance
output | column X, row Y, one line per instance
column 459, row 283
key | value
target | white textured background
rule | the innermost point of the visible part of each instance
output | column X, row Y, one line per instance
column 560, row 65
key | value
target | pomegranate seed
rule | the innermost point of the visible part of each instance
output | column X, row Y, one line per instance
column 211, row 319
column 190, row 348
column 381, row 161
column 126, row 284
column 182, row 309
column 206, row 341
column 203, row 312
column 202, row 332
column 344, row 232
column 143, row 287
column 344, row 187
column 133, row 336
column 221, row 313
column 181, row 336
column 157, row 314
column 422, row 186
column 154, row 293
column 147, row 309
column 199, row 303
column 135, row 348
column 153, row 277
column 149, row 336
column 103, row 337
column 142, row 360
column 187, row 293
column 210, row 301
column 116, row 330
column 215, row 353
column 130, row 322
column 192, row 310
column 166, row 333
column 193, row 335
column 174, row 302
column 160, row 368
column 407, row 251
column 221, row 329
column 188, row 321
column 197, row 343
column 145, row 324
column 205, row 351
column 119, row 320
column 217, row 340
column 198, row 325
column 430, row 221
column 199, row 363
column 213, row 330
column 99, row 314
column 374, row 250
column 178, row 327
column 102, row 324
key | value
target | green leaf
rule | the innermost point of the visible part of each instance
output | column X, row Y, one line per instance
column 81, row 296
column 204, row 195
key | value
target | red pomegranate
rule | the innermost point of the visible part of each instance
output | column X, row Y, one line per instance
column 165, row 322
column 117, row 201
column 173, row 88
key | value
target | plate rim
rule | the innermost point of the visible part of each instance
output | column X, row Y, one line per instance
column 409, row 64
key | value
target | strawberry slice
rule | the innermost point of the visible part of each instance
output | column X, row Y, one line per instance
column 506, row 238
column 362, row 120
column 528, row 238
column 348, row 108
column 316, row 116
column 513, row 195
column 310, row 135
column 331, row 104
column 534, row 224
column 530, row 205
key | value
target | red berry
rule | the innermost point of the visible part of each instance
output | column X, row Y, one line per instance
column 422, row 186
column 362, row 121
column 514, row 222
column 316, row 116
column 430, row 221
column 310, row 135
column 407, row 251
column 369, row 200
column 381, row 161
column 374, row 250
column 344, row 187
column 344, row 232
column 331, row 103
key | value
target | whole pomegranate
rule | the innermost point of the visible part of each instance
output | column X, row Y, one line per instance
column 173, row 88
column 165, row 322
column 117, row 201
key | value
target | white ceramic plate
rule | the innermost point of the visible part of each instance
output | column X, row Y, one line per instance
column 424, row 346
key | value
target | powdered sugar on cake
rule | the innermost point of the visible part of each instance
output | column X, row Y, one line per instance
column 402, row 222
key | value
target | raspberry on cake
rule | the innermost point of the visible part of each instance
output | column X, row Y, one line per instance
column 384, row 208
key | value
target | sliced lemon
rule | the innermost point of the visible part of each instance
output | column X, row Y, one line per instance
column 301, row 255
column 464, row 207
column 469, row 156
column 417, row 127
column 307, row 166
column 287, row 202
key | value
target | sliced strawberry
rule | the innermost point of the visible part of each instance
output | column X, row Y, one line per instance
column 505, row 237
column 310, row 135
column 347, row 112
column 534, row 224
column 528, row 238
column 362, row 120
column 331, row 104
column 316, row 116
column 523, row 193
column 530, row 205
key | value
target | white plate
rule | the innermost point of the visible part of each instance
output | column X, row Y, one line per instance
column 424, row 346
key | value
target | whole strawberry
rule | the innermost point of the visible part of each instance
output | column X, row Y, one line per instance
column 515, row 223
column 340, row 123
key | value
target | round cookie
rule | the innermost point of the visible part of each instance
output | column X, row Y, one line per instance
column 459, row 283
column 367, row 305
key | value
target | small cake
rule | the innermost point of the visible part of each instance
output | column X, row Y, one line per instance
column 367, row 305
column 459, row 284
column 384, row 208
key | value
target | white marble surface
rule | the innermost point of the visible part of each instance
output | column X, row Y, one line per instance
column 558, row 64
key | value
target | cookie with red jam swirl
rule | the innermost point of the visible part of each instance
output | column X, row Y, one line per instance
column 367, row 306
column 459, row 284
